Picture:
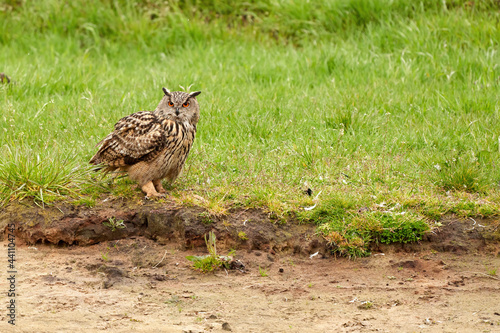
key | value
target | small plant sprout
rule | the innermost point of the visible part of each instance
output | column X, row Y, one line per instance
column 365, row 305
column 105, row 255
column 211, row 261
column 114, row 224
column 242, row 235
column 262, row 272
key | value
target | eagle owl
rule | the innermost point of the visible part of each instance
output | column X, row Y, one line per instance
column 151, row 146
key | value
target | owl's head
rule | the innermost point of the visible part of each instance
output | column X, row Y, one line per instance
column 179, row 106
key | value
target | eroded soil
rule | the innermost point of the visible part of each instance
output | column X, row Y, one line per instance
column 137, row 285
column 77, row 274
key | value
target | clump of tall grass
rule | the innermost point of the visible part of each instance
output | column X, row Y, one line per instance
column 43, row 176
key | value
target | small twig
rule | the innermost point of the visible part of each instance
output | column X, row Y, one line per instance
column 161, row 259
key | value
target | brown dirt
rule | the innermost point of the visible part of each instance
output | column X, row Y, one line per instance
column 143, row 283
column 164, row 222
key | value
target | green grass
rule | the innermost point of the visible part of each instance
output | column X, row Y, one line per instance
column 212, row 261
column 368, row 102
column 350, row 231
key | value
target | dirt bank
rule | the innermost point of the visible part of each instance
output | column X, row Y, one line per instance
column 137, row 279
column 240, row 229
column 249, row 229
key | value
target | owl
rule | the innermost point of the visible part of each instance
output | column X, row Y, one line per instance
column 151, row 146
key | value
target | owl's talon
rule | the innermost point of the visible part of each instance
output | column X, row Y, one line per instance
column 158, row 186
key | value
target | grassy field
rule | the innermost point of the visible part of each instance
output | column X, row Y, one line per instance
column 387, row 110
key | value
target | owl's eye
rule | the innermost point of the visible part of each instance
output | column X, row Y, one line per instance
column 170, row 103
column 185, row 104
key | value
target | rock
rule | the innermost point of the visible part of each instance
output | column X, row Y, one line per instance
column 237, row 264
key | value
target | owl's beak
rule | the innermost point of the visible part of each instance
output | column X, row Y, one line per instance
column 177, row 112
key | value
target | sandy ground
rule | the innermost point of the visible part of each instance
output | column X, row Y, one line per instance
column 115, row 287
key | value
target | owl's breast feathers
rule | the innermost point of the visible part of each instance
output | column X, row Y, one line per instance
column 142, row 136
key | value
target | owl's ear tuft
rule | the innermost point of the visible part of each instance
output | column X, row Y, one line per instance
column 194, row 94
column 166, row 92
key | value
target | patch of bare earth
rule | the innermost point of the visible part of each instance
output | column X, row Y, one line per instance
column 143, row 283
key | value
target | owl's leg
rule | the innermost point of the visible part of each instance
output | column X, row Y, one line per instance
column 150, row 190
column 158, row 186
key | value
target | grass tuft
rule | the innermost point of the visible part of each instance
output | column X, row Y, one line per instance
column 44, row 177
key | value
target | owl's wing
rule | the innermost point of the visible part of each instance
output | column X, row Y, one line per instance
column 138, row 137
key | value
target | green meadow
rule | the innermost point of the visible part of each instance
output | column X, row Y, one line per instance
column 387, row 110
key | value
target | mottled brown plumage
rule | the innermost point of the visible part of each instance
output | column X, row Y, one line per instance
column 151, row 146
